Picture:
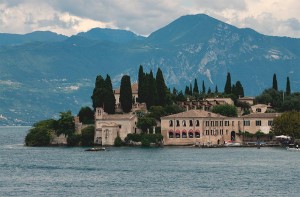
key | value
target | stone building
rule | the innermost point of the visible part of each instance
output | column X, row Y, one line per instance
column 202, row 127
column 109, row 126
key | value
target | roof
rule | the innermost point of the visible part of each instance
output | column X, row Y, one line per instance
column 118, row 116
column 246, row 98
column 134, row 89
column 261, row 115
column 194, row 114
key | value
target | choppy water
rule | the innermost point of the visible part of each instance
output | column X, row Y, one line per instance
column 62, row 171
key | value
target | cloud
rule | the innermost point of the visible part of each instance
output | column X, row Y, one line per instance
column 274, row 17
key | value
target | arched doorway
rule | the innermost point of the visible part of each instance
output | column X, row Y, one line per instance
column 232, row 135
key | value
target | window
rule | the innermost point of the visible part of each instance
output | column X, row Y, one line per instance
column 232, row 123
column 206, row 132
column 183, row 123
column 270, row 122
column 226, row 132
column 177, row 135
column 226, row 123
column 171, row 123
column 171, row 134
column 120, row 126
column 216, row 123
column 258, row 110
column 211, row 132
column 177, row 123
column 184, row 134
column 221, row 123
column 207, row 123
column 258, row 123
column 191, row 123
column 212, row 123
column 246, row 122
column 197, row 123
column 191, row 134
column 197, row 134
column 221, row 132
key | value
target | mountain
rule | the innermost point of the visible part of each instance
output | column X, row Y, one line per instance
column 112, row 35
column 37, row 36
column 45, row 75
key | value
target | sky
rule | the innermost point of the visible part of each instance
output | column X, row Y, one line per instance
column 69, row 17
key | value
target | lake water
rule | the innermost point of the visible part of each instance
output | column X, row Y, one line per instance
column 169, row 171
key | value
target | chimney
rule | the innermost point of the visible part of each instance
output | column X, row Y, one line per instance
column 187, row 108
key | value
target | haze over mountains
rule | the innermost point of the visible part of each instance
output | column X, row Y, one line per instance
column 43, row 73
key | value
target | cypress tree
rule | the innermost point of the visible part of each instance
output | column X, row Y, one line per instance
column 98, row 92
column 195, row 90
column 191, row 90
column 233, row 89
column 209, row 91
column 151, row 90
column 239, row 90
column 288, row 87
column 187, row 90
column 216, row 90
column 161, row 88
column 203, row 87
column 109, row 99
column 227, row 88
column 141, row 85
column 126, row 94
column 275, row 86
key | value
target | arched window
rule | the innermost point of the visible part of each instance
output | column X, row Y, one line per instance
column 197, row 134
column 171, row 134
column 183, row 123
column 191, row 123
column 177, row 123
column 191, row 134
column 177, row 134
column 184, row 134
column 171, row 123
column 197, row 123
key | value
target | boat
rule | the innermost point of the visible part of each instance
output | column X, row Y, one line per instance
column 292, row 147
column 96, row 149
column 232, row 143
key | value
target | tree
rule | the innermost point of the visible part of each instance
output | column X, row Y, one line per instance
column 191, row 90
column 109, row 97
column 275, row 86
column 227, row 88
column 216, row 90
column 161, row 88
column 141, row 85
column 195, row 90
column 66, row 124
column 288, row 87
column 98, row 92
column 287, row 124
column 203, row 87
column 126, row 94
column 187, row 90
column 225, row 110
column 87, row 136
column 209, row 91
column 86, row 115
column 239, row 90
column 146, row 123
column 40, row 134
column 151, row 98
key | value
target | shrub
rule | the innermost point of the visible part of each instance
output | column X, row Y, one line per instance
column 87, row 136
column 38, row 136
column 73, row 140
column 118, row 141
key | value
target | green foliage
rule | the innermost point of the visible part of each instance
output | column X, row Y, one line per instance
column 288, row 87
column 227, row 88
column 38, row 136
column 145, row 123
column 65, row 124
column 109, row 99
column 225, row 110
column 243, row 105
column 180, row 97
column 203, row 87
column 126, row 94
column 157, row 112
column 73, row 139
column 196, row 89
column 239, row 90
column 287, row 124
column 173, row 109
column 86, row 115
column 141, row 85
column 118, row 141
column 87, row 136
column 275, row 86
column 161, row 88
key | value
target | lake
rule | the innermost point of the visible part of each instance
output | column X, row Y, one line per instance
column 129, row 171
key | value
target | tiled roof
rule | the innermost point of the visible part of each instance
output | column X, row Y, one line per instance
column 134, row 89
column 118, row 116
column 194, row 114
column 246, row 98
column 261, row 115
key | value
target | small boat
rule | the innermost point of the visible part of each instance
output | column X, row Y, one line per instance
column 96, row 149
column 232, row 143
column 292, row 147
